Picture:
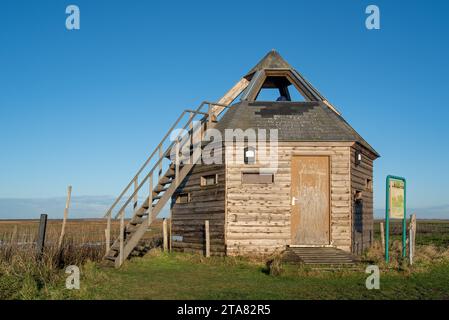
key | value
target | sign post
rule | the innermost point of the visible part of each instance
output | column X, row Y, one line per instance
column 395, row 209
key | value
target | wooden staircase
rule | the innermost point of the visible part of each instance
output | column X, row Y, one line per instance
column 320, row 256
column 167, row 158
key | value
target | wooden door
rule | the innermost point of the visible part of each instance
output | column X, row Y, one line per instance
column 310, row 200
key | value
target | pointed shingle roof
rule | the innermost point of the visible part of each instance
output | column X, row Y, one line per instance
column 272, row 60
column 295, row 121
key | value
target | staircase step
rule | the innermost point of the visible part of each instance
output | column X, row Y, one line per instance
column 134, row 229
column 319, row 256
column 109, row 258
column 165, row 180
column 159, row 189
column 137, row 221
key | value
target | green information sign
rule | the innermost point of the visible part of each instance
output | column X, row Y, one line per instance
column 395, row 209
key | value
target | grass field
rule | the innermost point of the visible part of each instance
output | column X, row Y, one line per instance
column 183, row 276
column 81, row 231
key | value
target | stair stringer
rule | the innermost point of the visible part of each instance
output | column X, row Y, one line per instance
column 132, row 242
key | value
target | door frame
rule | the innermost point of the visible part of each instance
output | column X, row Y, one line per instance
column 327, row 154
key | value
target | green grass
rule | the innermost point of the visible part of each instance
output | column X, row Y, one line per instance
column 184, row 276
column 176, row 276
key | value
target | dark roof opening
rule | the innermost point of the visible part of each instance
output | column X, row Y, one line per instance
column 279, row 88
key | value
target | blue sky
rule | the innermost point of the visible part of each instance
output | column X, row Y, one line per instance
column 86, row 107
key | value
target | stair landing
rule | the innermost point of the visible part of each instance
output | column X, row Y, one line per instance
column 317, row 256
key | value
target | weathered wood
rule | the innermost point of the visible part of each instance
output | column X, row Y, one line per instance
column 360, row 174
column 207, row 236
column 310, row 200
column 132, row 242
column 177, row 162
column 41, row 236
column 230, row 96
column 256, row 206
column 170, row 237
column 66, row 213
column 122, row 238
column 207, row 203
column 161, row 154
column 150, row 200
column 136, row 195
column 164, row 235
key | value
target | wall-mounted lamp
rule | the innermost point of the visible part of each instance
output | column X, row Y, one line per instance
column 250, row 155
column 358, row 158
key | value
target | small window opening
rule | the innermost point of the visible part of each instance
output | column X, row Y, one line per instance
column 209, row 180
column 257, row 178
column 183, row 198
column 369, row 185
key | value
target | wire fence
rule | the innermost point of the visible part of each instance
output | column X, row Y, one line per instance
column 422, row 227
column 428, row 232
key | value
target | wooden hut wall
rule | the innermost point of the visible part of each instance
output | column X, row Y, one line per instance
column 205, row 203
column 362, row 211
column 258, row 215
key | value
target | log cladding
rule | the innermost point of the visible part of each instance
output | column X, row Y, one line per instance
column 362, row 204
column 203, row 202
column 258, row 215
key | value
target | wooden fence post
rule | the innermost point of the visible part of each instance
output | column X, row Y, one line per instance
column 164, row 234
column 108, row 234
column 169, row 235
column 66, row 213
column 412, row 237
column 207, row 235
column 382, row 235
column 41, row 236
column 13, row 239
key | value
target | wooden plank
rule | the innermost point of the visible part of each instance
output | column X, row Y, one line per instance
column 108, row 234
column 136, row 196
column 150, row 200
column 165, row 235
column 122, row 239
column 230, row 96
column 170, row 239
